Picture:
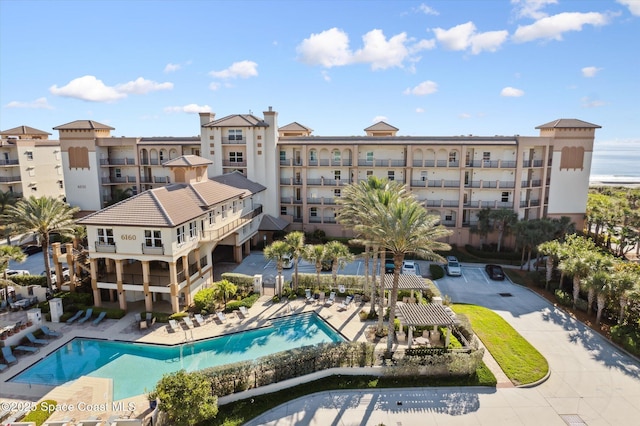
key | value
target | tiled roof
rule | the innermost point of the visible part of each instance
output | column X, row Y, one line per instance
column 167, row 206
column 238, row 180
column 154, row 140
column 270, row 223
column 295, row 126
column 381, row 125
column 83, row 125
column 187, row 161
column 568, row 123
column 238, row 120
column 405, row 282
column 23, row 130
column 419, row 314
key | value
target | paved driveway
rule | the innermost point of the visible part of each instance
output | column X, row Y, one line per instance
column 591, row 382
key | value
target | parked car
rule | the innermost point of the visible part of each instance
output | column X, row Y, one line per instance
column 389, row 267
column 287, row 261
column 65, row 275
column 409, row 267
column 31, row 249
column 453, row 267
column 14, row 272
column 495, row 272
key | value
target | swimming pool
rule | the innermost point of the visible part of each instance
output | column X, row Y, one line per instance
column 136, row 367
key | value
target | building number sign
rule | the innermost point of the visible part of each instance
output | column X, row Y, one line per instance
column 128, row 237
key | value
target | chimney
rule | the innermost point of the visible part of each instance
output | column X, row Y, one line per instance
column 206, row 118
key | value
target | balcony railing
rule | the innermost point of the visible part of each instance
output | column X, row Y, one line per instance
column 451, row 183
column 102, row 247
column 507, row 184
column 118, row 180
column 150, row 162
column 419, row 183
column 155, row 179
column 9, row 162
column 118, row 162
column 230, row 163
column 321, row 200
column 234, row 141
column 152, row 250
column 10, row 178
column 532, row 163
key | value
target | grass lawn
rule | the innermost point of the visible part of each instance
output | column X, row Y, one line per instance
column 521, row 362
column 239, row 412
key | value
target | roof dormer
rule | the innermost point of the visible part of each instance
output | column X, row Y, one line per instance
column 188, row 168
column 381, row 129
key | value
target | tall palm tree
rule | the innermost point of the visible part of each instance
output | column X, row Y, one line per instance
column 7, row 198
column 8, row 253
column 404, row 227
column 295, row 240
column 503, row 220
column 339, row 255
column 578, row 265
column 224, row 289
column 315, row 254
column 42, row 216
column 553, row 250
column 277, row 251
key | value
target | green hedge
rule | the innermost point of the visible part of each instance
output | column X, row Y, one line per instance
column 352, row 283
column 242, row 281
column 563, row 298
column 510, row 256
column 247, row 302
column 204, row 299
column 436, row 271
column 628, row 337
column 25, row 280
column 41, row 413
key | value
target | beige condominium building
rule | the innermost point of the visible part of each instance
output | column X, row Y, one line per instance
column 453, row 176
column 30, row 163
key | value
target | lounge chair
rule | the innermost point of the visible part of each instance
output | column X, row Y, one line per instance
column 8, row 355
column 346, row 303
column 188, row 321
column 75, row 317
column 27, row 349
column 198, row 319
column 50, row 333
column 126, row 422
column 173, row 324
column 331, row 299
column 221, row 316
column 90, row 423
column 308, row 295
column 244, row 311
column 12, row 420
column 3, row 367
column 58, row 423
column 33, row 339
column 86, row 316
column 100, row 318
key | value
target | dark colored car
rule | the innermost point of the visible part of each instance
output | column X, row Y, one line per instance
column 495, row 272
column 32, row 249
column 389, row 267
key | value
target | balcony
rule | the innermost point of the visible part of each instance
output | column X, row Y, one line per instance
column 231, row 163
column 419, row 183
column 290, row 200
column 506, row 184
column 102, row 247
column 290, row 181
column 532, row 163
column 382, row 163
column 290, row 162
column 233, row 141
column 321, row 200
column 507, row 164
column 150, row 162
column 118, row 162
column 451, row 183
column 118, row 180
column 312, row 162
column 155, row 179
column 153, row 250
column 10, row 178
column 9, row 162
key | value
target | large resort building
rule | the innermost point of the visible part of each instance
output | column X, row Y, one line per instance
column 245, row 178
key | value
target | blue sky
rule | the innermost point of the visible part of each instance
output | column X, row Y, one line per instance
column 429, row 68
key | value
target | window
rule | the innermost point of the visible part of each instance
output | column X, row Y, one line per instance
column 336, row 193
column 224, row 211
column 453, row 157
column 193, row 230
column 235, row 206
column 283, row 155
column 212, row 217
column 505, row 197
column 313, row 155
column 448, row 218
column 105, row 236
column 336, row 155
column 236, row 157
column 486, row 156
column 152, row 238
column 314, row 212
column 298, row 178
column 162, row 155
column 391, row 175
column 423, row 176
column 369, row 173
column 283, row 211
column 370, row 156
column 195, row 152
column 336, row 174
column 210, row 137
column 235, row 134
column 61, row 184
column 466, row 178
column 29, row 155
column 180, row 234
column 118, row 172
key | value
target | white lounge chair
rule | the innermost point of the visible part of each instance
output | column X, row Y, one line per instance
column 308, row 295
column 244, row 311
column 188, row 321
column 346, row 303
column 221, row 316
column 331, row 299
column 173, row 324
column 198, row 319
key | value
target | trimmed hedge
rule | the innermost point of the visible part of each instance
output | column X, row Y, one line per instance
column 41, row 413
column 246, row 302
column 25, row 280
column 242, row 281
column 628, row 337
column 436, row 271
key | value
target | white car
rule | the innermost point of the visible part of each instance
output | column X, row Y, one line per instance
column 14, row 272
column 453, row 267
column 287, row 261
column 409, row 267
column 65, row 275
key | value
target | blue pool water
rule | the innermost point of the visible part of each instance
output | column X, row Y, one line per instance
column 136, row 367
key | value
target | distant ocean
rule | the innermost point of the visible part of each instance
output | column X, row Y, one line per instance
column 616, row 163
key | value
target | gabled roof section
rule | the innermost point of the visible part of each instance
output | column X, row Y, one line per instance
column 238, row 120
column 381, row 126
column 139, row 210
column 84, row 125
column 295, row 127
column 23, row 130
column 270, row 223
column 212, row 192
column 568, row 123
column 238, row 180
column 187, row 161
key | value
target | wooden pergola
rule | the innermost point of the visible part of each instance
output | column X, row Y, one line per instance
column 406, row 282
column 432, row 314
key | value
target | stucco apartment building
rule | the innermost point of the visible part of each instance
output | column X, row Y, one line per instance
column 30, row 163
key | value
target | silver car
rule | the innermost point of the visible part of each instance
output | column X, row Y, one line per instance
column 453, row 267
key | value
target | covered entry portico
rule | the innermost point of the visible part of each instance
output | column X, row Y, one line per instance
column 431, row 314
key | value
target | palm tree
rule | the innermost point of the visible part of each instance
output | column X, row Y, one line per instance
column 43, row 216
column 503, row 220
column 224, row 289
column 553, row 250
column 403, row 227
column 295, row 240
column 483, row 225
column 578, row 265
column 315, row 254
column 339, row 255
column 8, row 253
column 625, row 278
column 277, row 251
column 7, row 198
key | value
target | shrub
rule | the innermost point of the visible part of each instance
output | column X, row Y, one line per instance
column 41, row 413
column 112, row 313
column 204, row 299
column 178, row 315
column 582, row 305
column 628, row 337
column 563, row 298
column 25, row 280
column 186, row 397
column 436, row 271
column 74, row 298
column 246, row 302
column 242, row 281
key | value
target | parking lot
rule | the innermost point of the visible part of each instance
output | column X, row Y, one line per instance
column 473, row 284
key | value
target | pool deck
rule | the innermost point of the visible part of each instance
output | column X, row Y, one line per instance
column 91, row 397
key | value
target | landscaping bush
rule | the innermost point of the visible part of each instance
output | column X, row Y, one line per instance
column 563, row 298
column 26, row 280
column 464, row 326
column 246, row 302
column 112, row 313
column 436, row 271
column 582, row 305
column 491, row 253
column 352, row 283
column 41, row 413
column 242, row 281
column 178, row 316
column 73, row 298
column 204, row 299
column 628, row 337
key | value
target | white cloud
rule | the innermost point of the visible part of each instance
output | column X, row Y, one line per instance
column 427, row 10
column 214, row 86
column 590, row 71
column 242, row 69
column 172, row 67
column 591, row 103
column 419, row 110
column 511, row 92
column 633, row 5
column 325, row 76
column 40, row 103
column 531, row 8
column 425, row 88
column 89, row 88
column 189, row 109
column 331, row 48
column 141, row 86
column 464, row 36
column 552, row 27
column 464, row 115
